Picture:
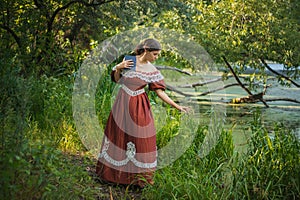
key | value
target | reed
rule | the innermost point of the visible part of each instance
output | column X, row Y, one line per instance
column 268, row 170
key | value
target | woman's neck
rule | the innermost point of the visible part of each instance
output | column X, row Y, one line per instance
column 142, row 60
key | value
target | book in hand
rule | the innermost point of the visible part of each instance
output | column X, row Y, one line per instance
column 133, row 58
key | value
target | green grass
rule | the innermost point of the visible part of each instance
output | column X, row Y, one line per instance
column 268, row 170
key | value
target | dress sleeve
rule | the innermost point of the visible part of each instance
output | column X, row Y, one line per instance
column 157, row 85
column 112, row 74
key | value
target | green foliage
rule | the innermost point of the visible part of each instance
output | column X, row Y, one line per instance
column 192, row 177
column 14, row 112
column 247, row 30
column 105, row 96
column 35, row 124
column 268, row 170
column 40, row 171
column 53, row 37
column 170, row 128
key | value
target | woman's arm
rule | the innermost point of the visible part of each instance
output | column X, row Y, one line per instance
column 117, row 73
column 161, row 94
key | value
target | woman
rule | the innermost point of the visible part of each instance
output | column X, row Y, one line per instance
column 128, row 153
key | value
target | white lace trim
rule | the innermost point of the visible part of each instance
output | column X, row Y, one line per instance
column 130, row 153
column 149, row 77
column 131, row 92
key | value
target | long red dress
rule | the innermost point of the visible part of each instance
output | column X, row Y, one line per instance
column 128, row 154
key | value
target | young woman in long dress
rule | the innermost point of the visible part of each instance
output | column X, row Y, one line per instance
column 128, row 154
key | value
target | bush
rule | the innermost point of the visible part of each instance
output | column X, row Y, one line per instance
column 36, row 125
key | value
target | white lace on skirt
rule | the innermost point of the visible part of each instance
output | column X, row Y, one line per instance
column 130, row 156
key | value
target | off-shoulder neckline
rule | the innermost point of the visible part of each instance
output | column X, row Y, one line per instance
column 148, row 73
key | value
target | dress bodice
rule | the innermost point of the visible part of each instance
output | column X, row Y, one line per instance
column 137, row 80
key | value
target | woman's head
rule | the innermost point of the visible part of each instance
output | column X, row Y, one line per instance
column 147, row 45
column 149, row 49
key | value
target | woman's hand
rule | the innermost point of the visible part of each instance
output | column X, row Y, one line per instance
column 184, row 109
column 125, row 64
column 161, row 94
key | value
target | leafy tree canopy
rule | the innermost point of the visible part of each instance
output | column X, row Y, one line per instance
column 53, row 36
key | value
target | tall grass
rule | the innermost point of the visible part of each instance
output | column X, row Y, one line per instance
column 192, row 177
column 270, row 169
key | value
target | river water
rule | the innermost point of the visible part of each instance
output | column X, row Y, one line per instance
column 238, row 117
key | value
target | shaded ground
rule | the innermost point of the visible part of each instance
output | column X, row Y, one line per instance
column 102, row 190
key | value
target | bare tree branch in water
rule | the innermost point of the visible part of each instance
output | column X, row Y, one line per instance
column 252, row 98
column 173, row 89
column 201, row 83
column 160, row 67
column 283, row 99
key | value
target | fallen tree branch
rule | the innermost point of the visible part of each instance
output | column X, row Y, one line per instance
column 240, row 83
column 193, row 85
column 201, row 83
column 218, row 89
column 249, row 99
column 171, row 88
column 283, row 99
column 255, row 98
column 172, row 68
